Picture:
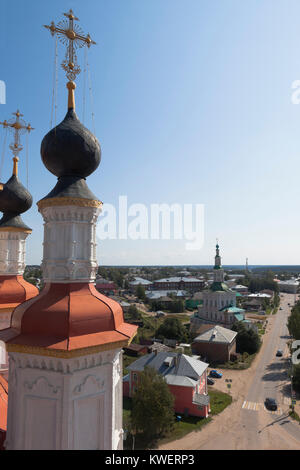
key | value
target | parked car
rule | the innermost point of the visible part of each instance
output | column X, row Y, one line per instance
column 270, row 404
column 279, row 353
column 280, row 308
column 215, row 374
column 210, row 381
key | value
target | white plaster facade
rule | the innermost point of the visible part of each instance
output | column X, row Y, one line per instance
column 69, row 248
column 12, row 252
column 213, row 302
column 65, row 404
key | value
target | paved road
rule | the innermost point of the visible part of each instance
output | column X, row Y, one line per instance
column 246, row 424
column 271, row 380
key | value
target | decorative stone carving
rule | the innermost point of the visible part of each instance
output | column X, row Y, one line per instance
column 97, row 382
column 69, row 243
column 12, row 252
column 41, row 383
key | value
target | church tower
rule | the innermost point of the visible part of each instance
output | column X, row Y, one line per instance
column 65, row 345
column 219, row 301
column 218, row 272
column 14, row 201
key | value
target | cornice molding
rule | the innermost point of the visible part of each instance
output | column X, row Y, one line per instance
column 24, row 349
column 68, row 201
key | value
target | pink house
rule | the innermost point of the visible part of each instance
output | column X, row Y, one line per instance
column 185, row 376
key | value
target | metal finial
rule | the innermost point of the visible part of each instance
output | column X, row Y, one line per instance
column 18, row 126
column 73, row 37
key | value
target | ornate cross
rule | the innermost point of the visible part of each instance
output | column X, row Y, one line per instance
column 18, row 126
column 73, row 37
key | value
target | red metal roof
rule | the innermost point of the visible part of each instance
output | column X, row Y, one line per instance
column 15, row 290
column 68, row 317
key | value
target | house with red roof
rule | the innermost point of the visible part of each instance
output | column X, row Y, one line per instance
column 185, row 376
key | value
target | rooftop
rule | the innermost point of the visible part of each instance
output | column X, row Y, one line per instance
column 174, row 367
column 179, row 279
column 140, row 281
column 217, row 334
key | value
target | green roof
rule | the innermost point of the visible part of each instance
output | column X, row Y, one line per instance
column 219, row 286
column 239, row 317
column 232, row 309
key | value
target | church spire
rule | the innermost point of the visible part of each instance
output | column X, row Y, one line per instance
column 217, row 257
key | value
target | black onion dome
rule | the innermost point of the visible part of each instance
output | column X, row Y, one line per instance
column 70, row 149
column 71, row 187
column 14, row 198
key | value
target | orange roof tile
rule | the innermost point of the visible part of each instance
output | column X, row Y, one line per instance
column 15, row 290
column 68, row 317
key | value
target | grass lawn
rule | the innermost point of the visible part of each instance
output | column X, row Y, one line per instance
column 218, row 402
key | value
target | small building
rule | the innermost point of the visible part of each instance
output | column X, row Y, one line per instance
column 185, row 376
column 253, row 305
column 157, row 347
column 194, row 301
column 157, row 295
column 240, row 288
column 268, row 292
column 125, row 306
column 139, row 281
column 135, row 349
column 105, row 287
column 250, row 325
column 290, row 286
column 216, row 344
column 179, row 283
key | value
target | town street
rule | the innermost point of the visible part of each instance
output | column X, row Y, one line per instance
column 246, row 424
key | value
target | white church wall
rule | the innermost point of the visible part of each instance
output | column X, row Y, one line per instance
column 65, row 403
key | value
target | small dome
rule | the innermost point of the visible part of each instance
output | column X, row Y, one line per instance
column 14, row 198
column 70, row 149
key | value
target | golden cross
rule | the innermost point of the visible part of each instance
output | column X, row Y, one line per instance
column 18, row 126
column 73, row 37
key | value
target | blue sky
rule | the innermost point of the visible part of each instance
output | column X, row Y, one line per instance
column 192, row 104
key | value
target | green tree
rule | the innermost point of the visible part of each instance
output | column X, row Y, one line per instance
column 296, row 377
column 246, row 340
column 293, row 323
column 140, row 292
column 134, row 313
column 177, row 306
column 172, row 328
column 152, row 406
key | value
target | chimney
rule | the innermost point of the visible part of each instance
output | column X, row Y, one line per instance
column 176, row 361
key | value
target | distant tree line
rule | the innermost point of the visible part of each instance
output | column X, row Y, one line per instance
column 257, row 284
column 176, row 306
column 114, row 274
